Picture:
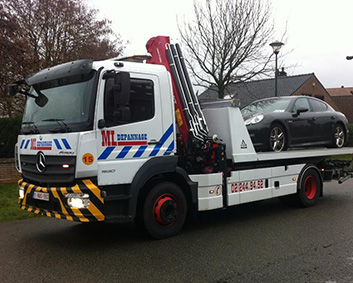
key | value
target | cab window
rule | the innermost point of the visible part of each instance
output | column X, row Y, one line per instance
column 141, row 103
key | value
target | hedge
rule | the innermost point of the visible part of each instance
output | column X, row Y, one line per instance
column 9, row 129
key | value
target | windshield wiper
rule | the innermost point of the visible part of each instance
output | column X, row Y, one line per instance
column 61, row 123
column 33, row 130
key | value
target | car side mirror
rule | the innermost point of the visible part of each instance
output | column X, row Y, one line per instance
column 301, row 110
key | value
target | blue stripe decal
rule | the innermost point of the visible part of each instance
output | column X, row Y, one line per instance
column 162, row 141
column 66, row 144
column 27, row 143
column 22, row 143
column 170, row 148
column 106, row 153
column 124, row 151
column 140, row 151
column 57, row 144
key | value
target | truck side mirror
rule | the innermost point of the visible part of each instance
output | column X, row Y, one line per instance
column 41, row 100
column 122, row 88
column 12, row 89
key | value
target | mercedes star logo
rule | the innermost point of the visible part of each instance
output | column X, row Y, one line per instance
column 40, row 164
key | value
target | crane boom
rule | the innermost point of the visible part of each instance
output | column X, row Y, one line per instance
column 188, row 112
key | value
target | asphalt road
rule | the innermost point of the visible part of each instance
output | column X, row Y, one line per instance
column 261, row 242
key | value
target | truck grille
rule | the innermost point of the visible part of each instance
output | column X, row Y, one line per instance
column 53, row 174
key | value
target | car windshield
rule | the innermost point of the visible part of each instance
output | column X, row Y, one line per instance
column 69, row 105
column 266, row 106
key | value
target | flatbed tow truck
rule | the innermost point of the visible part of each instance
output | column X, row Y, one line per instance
column 121, row 140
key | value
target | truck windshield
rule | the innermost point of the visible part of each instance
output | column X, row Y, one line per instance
column 70, row 106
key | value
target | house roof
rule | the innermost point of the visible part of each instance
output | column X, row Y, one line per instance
column 341, row 91
column 249, row 91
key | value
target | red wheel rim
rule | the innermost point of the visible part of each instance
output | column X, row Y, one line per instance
column 310, row 187
column 165, row 209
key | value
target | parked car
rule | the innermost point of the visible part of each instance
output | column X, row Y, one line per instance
column 278, row 123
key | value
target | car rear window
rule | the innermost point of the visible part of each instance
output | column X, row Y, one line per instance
column 318, row 106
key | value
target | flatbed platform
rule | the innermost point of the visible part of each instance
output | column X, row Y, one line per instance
column 292, row 154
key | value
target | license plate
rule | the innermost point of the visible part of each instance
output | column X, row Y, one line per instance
column 41, row 196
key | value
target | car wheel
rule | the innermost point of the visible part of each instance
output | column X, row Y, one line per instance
column 339, row 136
column 278, row 139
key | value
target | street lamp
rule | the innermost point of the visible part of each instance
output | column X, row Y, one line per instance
column 276, row 46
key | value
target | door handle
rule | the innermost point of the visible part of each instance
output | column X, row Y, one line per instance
column 153, row 142
column 333, row 117
column 314, row 118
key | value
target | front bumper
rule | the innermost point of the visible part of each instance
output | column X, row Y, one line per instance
column 57, row 205
column 260, row 136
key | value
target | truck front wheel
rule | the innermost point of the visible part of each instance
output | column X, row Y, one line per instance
column 164, row 210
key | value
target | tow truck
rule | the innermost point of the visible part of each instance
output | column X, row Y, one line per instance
column 126, row 139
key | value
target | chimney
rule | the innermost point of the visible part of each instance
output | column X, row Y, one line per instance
column 282, row 73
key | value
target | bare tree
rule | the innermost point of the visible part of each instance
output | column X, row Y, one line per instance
column 228, row 41
column 41, row 33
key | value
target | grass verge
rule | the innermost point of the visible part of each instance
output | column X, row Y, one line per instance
column 9, row 207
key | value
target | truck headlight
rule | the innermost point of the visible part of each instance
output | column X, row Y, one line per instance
column 17, row 161
column 254, row 120
column 78, row 200
column 21, row 192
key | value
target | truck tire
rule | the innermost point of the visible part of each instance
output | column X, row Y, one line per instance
column 164, row 210
column 309, row 188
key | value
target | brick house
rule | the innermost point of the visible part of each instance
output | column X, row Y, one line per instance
column 247, row 92
column 343, row 98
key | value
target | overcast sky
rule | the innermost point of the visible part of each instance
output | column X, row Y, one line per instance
column 320, row 34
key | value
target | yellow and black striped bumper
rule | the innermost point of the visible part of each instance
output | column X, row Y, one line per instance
column 57, row 205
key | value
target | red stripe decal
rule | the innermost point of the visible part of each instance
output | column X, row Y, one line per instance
column 123, row 143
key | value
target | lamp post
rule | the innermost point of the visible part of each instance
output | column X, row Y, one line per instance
column 276, row 46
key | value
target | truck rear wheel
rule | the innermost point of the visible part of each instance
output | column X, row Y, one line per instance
column 309, row 188
column 164, row 210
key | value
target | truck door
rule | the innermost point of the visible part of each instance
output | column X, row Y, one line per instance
column 132, row 133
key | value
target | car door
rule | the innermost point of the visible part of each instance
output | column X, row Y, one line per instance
column 301, row 125
column 324, row 120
